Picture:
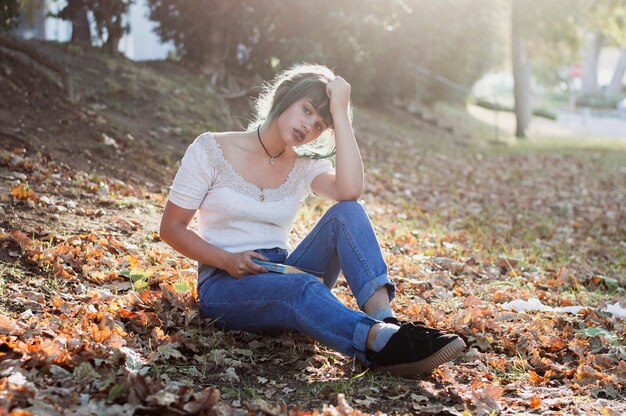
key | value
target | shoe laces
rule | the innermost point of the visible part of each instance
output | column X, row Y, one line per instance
column 421, row 332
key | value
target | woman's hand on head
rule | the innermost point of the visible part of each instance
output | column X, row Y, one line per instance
column 241, row 264
column 338, row 90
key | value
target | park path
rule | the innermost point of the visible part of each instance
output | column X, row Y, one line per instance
column 573, row 125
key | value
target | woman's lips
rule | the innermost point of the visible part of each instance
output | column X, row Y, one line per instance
column 299, row 135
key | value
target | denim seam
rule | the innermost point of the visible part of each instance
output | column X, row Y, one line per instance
column 361, row 331
column 294, row 310
column 312, row 239
column 289, row 306
column 346, row 230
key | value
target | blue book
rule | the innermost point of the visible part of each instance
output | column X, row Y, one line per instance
column 282, row 268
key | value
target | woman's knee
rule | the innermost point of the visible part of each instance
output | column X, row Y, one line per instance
column 348, row 210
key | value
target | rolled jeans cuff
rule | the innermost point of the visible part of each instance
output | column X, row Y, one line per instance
column 359, row 341
column 372, row 286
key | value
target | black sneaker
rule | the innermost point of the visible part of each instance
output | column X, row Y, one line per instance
column 416, row 349
column 393, row 320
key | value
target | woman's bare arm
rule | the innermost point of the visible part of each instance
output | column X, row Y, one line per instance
column 175, row 232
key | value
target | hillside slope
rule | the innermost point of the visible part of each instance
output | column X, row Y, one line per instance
column 148, row 110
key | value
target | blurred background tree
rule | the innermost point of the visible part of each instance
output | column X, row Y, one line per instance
column 76, row 11
column 605, row 25
column 213, row 34
column 377, row 44
column 9, row 11
column 396, row 51
column 108, row 17
column 544, row 37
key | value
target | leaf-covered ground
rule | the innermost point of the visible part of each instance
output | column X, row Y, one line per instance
column 100, row 317
column 97, row 316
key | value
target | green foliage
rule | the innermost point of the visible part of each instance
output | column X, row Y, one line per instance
column 593, row 332
column 598, row 101
column 138, row 278
column 555, row 31
column 376, row 44
column 609, row 16
column 108, row 17
column 200, row 29
column 9, row 11
column 457, row 39
column 182, row 287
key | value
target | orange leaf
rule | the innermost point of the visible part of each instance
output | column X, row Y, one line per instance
column 472, row 300
column 20, row 412
column 536, row 378
column 62, row 271
column 535, row 402
column 23, row 192
column 558, row 344
column 133, row 259
column 57, row 302
column 499, row 363
column 501, row 296
column 22, row 239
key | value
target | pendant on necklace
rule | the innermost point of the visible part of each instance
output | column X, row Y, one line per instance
column 272, row 161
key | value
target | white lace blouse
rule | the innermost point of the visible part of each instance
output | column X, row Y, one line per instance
column 234, row 214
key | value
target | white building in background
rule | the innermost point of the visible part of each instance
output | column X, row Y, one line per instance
column 142, row 43
column 139, row 45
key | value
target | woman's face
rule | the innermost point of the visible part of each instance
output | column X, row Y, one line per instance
column 300, row 123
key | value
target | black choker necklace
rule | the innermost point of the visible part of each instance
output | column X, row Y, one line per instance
column 272, row 158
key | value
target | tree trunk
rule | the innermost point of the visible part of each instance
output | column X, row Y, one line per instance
column 615, row 87
column 218, row 46
column 39, row 23
column 589, row 80
column 81, row 31
column 113, row 40
column 115, row 31
column 521, row 73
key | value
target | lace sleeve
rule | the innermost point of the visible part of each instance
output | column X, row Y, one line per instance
column 194, row 177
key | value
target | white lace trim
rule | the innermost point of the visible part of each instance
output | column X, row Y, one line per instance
column 233, row 179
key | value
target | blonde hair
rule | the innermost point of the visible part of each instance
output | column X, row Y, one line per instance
column 300, row 81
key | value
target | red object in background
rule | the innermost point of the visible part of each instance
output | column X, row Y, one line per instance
column 576, row 70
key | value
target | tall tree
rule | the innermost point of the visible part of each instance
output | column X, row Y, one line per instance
column 614, row 88
column 76, row 12
column 375, row 43
column 610, row 16
column 546, row 34
column 108, row 16
column 9, row 11
column 209, row 33
column 604, row 25
column 521, row 71
column 589, row 80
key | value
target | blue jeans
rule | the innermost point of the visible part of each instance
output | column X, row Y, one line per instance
column 342, row 240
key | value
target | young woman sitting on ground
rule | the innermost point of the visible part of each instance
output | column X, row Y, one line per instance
column 246, row 186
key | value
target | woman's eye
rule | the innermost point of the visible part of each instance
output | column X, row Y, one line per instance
column 306, row 110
